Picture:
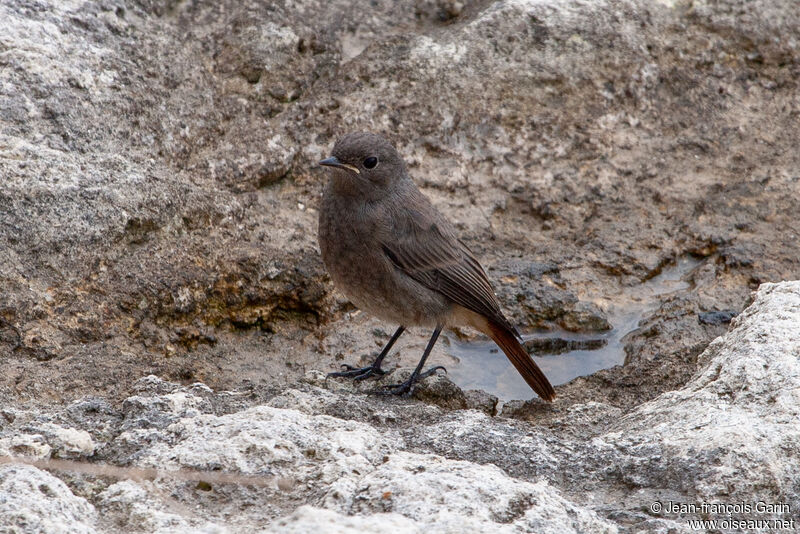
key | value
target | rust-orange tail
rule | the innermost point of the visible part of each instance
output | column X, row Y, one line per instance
column 534, row 376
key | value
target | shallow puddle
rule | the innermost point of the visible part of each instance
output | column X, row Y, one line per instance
column 565, row 355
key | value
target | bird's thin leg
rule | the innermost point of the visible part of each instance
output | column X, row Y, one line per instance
column 360, row 373
column 407, row 388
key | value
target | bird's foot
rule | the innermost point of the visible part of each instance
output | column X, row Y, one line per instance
column 405, row 389
column 359, row 373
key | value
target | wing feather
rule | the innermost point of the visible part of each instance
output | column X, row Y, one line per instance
column 424, row 246
column 434, row 257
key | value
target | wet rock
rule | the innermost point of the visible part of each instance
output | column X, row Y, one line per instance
column 584, row 317
column 716, row 317
column 554, row 345
column 481, row 401
column 536, row 297
column 435, row 389
column 439, row 11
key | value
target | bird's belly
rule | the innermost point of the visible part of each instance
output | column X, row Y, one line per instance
column 375, row 286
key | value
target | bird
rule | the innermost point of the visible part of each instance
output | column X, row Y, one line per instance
column 396, row 257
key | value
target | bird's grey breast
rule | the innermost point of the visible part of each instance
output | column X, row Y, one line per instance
column 346, row 228
column 348, row 239
column 352, row 237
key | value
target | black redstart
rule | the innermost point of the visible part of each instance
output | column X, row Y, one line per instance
column 396, row 257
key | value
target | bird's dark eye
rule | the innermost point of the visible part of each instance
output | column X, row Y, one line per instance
column 370, row 162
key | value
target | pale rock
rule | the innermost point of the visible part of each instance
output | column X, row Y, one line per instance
column 310, row 519
column 270, row 441
column 149, row 511
column 732, row 433
column 448, row 496
column 33, row 501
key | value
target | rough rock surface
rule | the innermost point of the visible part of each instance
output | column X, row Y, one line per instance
column 194, row 460
column 310, row 519
column 32, row 500
column 157, row 219
column 736, row 420
column 159, row 180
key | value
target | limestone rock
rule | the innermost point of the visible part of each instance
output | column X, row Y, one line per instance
column 34, row 501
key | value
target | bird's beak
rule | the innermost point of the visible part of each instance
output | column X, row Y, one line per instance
column 333, row 162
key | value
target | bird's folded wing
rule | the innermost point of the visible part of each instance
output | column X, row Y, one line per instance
column 438, row 260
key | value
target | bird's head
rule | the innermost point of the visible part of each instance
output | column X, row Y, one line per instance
column 365, row 164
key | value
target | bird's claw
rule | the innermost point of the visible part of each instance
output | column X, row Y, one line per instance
column 358, row 373
column 431, row 371
column 405, row 389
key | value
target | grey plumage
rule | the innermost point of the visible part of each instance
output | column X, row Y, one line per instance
column 395, row 256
